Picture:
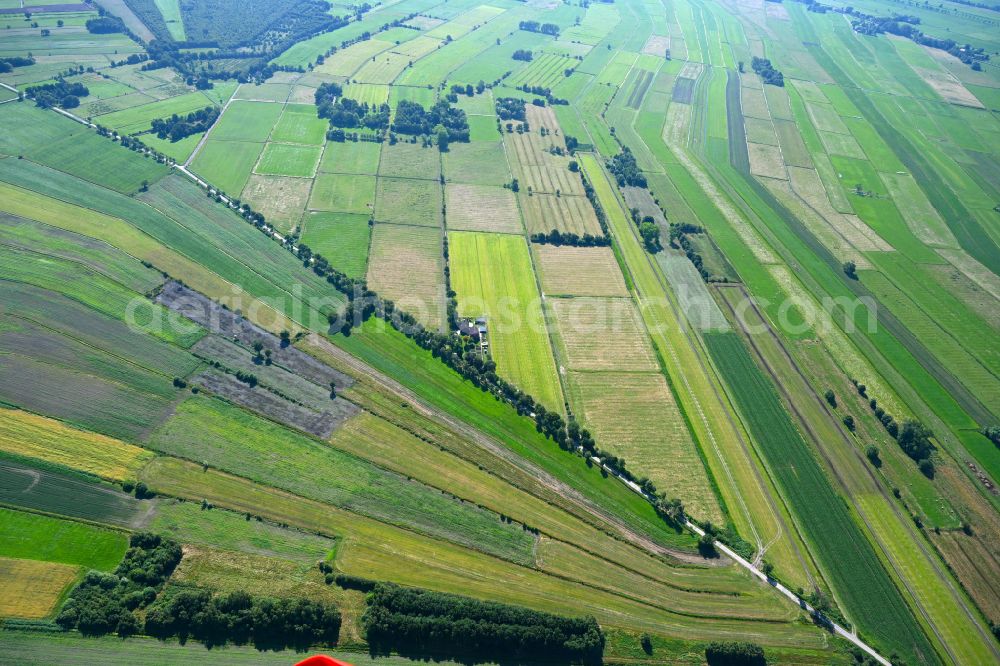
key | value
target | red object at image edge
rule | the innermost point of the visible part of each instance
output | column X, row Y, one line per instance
column 321, row 660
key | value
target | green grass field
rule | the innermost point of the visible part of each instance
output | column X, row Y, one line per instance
column 490, row 269
column 247, row 121
column 32, row 536
column 226, row 164
column 299, row 124
column 342, row 238
column 286, row 159
column 76, row 150
column 358, row 157
column 343, row 193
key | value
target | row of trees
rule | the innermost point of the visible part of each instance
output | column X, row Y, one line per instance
column 240, row 618
column 177, row 127
column 8, row 63
column 905, row 26
column 913, row 436
column 556, row 237
column 420, row 622
column 105, row 25
column 543, row 28
column 61, row 93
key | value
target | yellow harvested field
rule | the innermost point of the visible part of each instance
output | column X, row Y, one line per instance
column 766, row 161
column 281, row 199
column 602, row 334
column 482, row 208
column 347, row 61
column 634, row 416
column 406, row 264
column 754, row 104
column 35, row 436
column 545, row 212
column 31, row 589
column 536, row 168
column 948, row 86
column 579, row 271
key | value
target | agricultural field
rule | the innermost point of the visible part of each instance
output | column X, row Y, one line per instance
column 493, row 278
column 342, row 238
column 578, row 271
column 745, row 282
column 406, row 264
column 32, row 589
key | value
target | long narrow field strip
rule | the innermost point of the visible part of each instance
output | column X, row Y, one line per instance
column 579, row 271
column 32, row 589
column 138, row 118
column 35, row 436
column 721, row 440
column 482, row 208
column 545, row 70
column 228, row 438
column 406, row 265
column 375, row 550
column 493, row 277
column 347, row 61
column 849, row 559
column 602, row 334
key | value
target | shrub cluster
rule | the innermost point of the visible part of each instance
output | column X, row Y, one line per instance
column 733, row 653
column 767, row 72
column 411, row 621
column 8, row 63
column 625, row 169
column 522, row 54
column 510, row 108
column 104, row 25
column 346, row 112
column 411, row 118
column 103, row 603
